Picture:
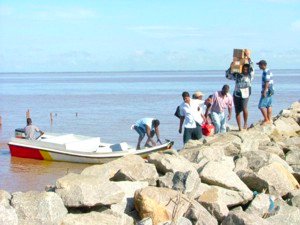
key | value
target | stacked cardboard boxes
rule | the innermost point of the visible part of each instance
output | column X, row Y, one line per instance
column 240, row 57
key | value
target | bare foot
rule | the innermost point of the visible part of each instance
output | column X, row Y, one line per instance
column 266, row 123
column 246, row 126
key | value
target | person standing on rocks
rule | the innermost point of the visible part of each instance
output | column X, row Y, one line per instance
column 149, row 127
column 220, row 101
column 242, row 92
column 265, row 102
column 190, row 118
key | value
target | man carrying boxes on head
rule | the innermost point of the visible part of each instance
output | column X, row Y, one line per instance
column 242, row 72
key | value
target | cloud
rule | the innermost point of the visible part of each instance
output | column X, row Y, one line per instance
column 296, row 25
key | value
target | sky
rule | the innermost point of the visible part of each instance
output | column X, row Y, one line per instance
column 138, row 35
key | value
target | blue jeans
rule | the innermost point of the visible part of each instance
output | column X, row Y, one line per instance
column 219, row 121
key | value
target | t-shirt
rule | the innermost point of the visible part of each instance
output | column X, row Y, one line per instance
column 220, row 103
column 192, row 113
column 143, row 122
column 30, row 132
column 267, row 77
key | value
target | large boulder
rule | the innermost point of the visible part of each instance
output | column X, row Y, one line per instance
column 170, row 163
column 163, row 204
column 210, row 153
column 260, row 205
column 8, row 215
column 217, row 174
column 4, row 198
column 37, row 208
column 293, row 158
column 280, row 180
column 130, row 167
column 287, row 126
column 273, row 148
column 252, row 139
column 252, row 180
column 86, row 191
column 186, row 181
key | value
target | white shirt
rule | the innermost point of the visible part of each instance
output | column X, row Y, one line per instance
column 192, row 113
column 30, row 131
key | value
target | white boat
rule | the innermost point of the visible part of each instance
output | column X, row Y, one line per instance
column 76, row 148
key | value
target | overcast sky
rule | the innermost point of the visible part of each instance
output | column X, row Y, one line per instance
column 132, row 35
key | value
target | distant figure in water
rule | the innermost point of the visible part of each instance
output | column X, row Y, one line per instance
column 30, row 130
column 149, row 127
column 265, row 102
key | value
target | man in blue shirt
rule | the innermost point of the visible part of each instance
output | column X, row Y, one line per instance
column 265, row 102
column 149, row 127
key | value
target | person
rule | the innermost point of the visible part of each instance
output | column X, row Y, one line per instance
column 199, row 95
column 207, row 104
column 30, row 130
column 220, row 101
column 149, row 127
column 265, row 102
column 190, row 118
column 242, row 92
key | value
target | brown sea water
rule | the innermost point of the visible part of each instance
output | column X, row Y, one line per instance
column 107, row 104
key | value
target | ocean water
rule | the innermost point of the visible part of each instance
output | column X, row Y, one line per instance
column 108, row 103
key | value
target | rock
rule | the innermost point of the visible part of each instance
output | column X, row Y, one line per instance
column 273, row 148
column 193, row 143
column 170, row 163
column 129, row 188
column 293, row 141
column 242, row 218
column 166, row 180
column 285, row 215
column 4, row 198
column 293, row 158
column 180, row 221
column 37, row 208
column 253, row 181
column 8, row 215
column 241, row 164
column 185, row 181
column 211, row 153
column 108, row 170
column 215, row 173
column 86, row 191
column 260, row 205
column 296, row 201
column 252, row 139
column 280, row 180
column 230, row 198
column 171, row 202
column 93, row 218
column 146, row 221
column 287, row 127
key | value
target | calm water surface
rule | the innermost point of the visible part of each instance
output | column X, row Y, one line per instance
column 107, row 105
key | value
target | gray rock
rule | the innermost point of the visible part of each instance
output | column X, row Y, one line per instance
column 296, row 201
column 180, row 221
column 273, row 148
column 129, row 188
column 86, row 191
column 8, row 215
column 253, row 181
column 260, row 205
column 242, row 218
column 252, row 139
column 293, row 141
column 215, row 173
column 293, row 158
column 287, row 126
column 145, row 221
column 166, row 180
column 36, row 208
column 280, row 180
column 241, row 164
column 185, row 181
column 211, row 153
column 170, row 163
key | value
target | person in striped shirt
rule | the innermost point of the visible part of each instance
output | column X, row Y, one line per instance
column 265, row 102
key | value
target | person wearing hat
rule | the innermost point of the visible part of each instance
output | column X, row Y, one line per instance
column 265, row 102
column 190, row 118
column 242, row 91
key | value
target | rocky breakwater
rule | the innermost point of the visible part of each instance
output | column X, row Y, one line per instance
column 250, row 177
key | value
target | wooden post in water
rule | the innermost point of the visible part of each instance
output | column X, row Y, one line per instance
column 51, row 118
column 27, row 113
column 0, row 121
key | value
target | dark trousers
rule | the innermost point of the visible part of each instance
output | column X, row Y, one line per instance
column 192, row 133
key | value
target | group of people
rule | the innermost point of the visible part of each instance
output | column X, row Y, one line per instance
column 194, row 112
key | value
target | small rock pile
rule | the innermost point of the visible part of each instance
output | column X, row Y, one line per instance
column 249, row 177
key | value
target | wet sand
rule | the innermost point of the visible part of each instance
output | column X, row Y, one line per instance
column 19, row 174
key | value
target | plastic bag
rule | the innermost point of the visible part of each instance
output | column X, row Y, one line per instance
column 208, row 129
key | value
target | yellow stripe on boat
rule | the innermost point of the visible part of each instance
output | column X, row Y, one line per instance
column 46, row 155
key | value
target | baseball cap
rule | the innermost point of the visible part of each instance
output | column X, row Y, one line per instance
column 198, row 94
column 262, row 62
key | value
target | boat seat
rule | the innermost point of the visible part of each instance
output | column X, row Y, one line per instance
column 123, row 146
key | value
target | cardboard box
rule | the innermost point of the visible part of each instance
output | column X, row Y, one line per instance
column 238, row 53
column 236, row 68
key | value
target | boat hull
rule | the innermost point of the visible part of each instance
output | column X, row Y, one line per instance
column 33, row 152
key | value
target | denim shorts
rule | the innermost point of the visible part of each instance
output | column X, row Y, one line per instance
column 265, row 102
column 140, row 131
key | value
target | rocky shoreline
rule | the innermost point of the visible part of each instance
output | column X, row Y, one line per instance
column 249, row 177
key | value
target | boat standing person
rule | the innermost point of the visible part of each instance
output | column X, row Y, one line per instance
column 242, row 91
column 221, row 101
column 265, row 102
column 31, row 129
column 191, row 118
column 149, row 127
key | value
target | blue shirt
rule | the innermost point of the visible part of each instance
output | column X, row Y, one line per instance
column 143, row 122
column 267, row 77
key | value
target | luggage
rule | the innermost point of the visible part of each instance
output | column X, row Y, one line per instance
column 208, row 129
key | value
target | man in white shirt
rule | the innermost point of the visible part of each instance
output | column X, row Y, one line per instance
column 191, row 118
column 30, row 130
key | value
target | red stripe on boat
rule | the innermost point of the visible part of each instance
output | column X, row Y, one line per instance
column 25, row 152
